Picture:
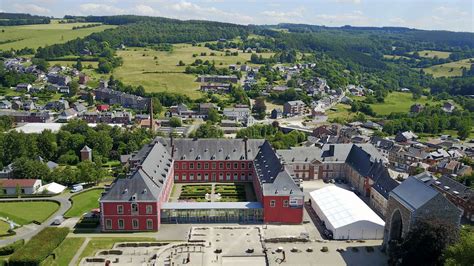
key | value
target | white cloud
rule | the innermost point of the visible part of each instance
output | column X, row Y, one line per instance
column 100, row 9
column 348, row 1
column 31, row 8
column 146, row 10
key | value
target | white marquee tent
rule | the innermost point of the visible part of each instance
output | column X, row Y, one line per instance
column 345, row 214
column 53, row 188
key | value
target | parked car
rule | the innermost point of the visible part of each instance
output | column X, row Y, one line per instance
column 58, row 220
column 77, row 188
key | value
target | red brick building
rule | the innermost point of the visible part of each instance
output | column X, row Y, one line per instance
column 135, row 203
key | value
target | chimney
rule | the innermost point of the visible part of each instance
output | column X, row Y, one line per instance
column 152, row 124
column 246, row 148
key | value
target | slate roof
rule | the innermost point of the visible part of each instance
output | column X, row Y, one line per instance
column 146, row 180
column 454, row 186
column 413, row 193
column 382, row 143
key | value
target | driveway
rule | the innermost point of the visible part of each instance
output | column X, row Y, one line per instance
column 28, row 231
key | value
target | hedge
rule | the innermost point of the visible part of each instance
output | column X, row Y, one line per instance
column 10, row 249
column 39, row 247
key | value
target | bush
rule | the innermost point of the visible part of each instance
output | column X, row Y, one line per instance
column 325, row 249
column 39, row 247
column 369, row 249
column 355, row 249
column 10, row 249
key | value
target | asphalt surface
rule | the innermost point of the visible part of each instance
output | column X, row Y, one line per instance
column 26, row 232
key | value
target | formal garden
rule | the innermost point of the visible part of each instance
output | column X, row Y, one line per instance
column 231, row 192
column 195, row 192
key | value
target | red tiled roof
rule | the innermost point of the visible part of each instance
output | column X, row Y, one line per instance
column 9, row 183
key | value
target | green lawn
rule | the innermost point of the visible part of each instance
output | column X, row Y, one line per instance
column 84, row 202
column 4, row 227
column 449, row 69
column 64, row 252
column 397, row 102
column 163, row 73
column 342, row 111
column 34, row 36
column 26, row 212
column 108, row 242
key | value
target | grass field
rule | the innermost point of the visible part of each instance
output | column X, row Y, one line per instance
column 163, row 74
column 342, row 111
column 94, row 64
column 397, row 102
column 64, row 252
column 25, row 212
column 108, row 242
column 4, row 227
column 449, row 69
column 84, row 202
column 34, row 36
column 432, row 54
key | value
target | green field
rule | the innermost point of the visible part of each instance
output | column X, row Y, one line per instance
column 84, row 202
column 343, row 111
column 449, row 69
column 163, row 74
column 4, row 227
column 34, row 36
column 26, row 212
column 97, row 244
column 432, row 54
column 397, row 102
column 64, row 252
column 85, row 64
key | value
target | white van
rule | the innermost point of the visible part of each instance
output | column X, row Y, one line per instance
column 77, row 188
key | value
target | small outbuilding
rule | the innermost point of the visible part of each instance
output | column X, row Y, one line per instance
column 345, row 214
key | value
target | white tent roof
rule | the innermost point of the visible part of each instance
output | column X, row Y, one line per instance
column 342, row 207
column 54, row 188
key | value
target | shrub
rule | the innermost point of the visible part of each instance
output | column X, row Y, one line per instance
column 355, row 249
column 325, row 249
column 369, row 249
column 10, row 249
column 39, row 247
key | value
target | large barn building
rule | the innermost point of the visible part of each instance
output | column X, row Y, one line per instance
column 139, row 201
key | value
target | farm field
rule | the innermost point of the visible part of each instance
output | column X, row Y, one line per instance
column 34, row 36
column 397, row 102
column 26, row 212
column 449, row 69
column 64, row 252
column 94, row 64
column 84, row 202
column 163, row 73
column 432, row 54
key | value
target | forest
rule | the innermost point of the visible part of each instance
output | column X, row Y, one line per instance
column 14, row 19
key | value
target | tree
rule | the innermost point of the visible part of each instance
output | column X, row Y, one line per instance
column 462, row 252
column 157, row 107
column 213, row 116
column 73, row 87
column 41, row 64
column 181, row 63
column 25, row 168
column 79, row 65
column 425, row 243
column 207, row 130
column 175, row 121
column 260, row 108
column 89, row 172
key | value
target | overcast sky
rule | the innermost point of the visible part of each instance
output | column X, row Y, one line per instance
column 455, row 15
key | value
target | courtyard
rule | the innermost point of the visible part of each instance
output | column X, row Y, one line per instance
column 213, row 192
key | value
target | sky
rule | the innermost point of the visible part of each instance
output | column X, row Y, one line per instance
column 453, row 15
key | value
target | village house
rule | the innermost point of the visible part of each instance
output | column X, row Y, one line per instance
column 215, row 87
column 4, row 104
column 405, row 136
column 121, row 98
column 276, row 113
column 237, row 113
column 23, row 87
column 217, row 79
column 416, row 108
column 67, row 115
column 58, row 79
column 204, row 108
column 293, row 108
column 448, row 107
column 57, row 105
column 20, row 186
column 83, row 79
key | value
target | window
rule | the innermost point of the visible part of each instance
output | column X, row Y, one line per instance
column 250, row 166
column 236, row 176
column 213, row 166
column 176, row 165
column 191, row 176
column 199, row 177
column 184, row 166
column 297, row 175
column 176, row 177
column 134, row 208
column 285, row 203
column 108, row 224
column 213, row 176
column 120, row 224
column 297, row 167
column 135, row 224
column 242, row 166
column 227, row 177
column 250, row 176
column 191, row 165
column 149, row 224
column 206, row 176
column 198, row 165
column 120, row 209
column 242, row 176
column 221, row 165
column 149, row 209
column 221, row 176
column 183, row 177
column 236, row 165
column 227, row 165
column 272, row 203
column 206, row 165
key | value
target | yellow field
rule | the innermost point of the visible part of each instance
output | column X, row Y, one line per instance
column 449, row 69
column 163, row 73
column 432, row 54
column 34, row 36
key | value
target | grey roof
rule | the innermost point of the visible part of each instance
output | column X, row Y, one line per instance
column 413, row 193
column 211, row 205
column 212, row 149
column 454, row 187
column 382, row 143
column 86, row 148
column 383, row 182
column 300, row 154
column 146, row 179
column 51, row 165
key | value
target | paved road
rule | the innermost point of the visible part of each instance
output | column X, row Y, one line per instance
column 64, row 205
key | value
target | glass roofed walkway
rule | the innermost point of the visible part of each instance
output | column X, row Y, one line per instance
column 212, row 212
